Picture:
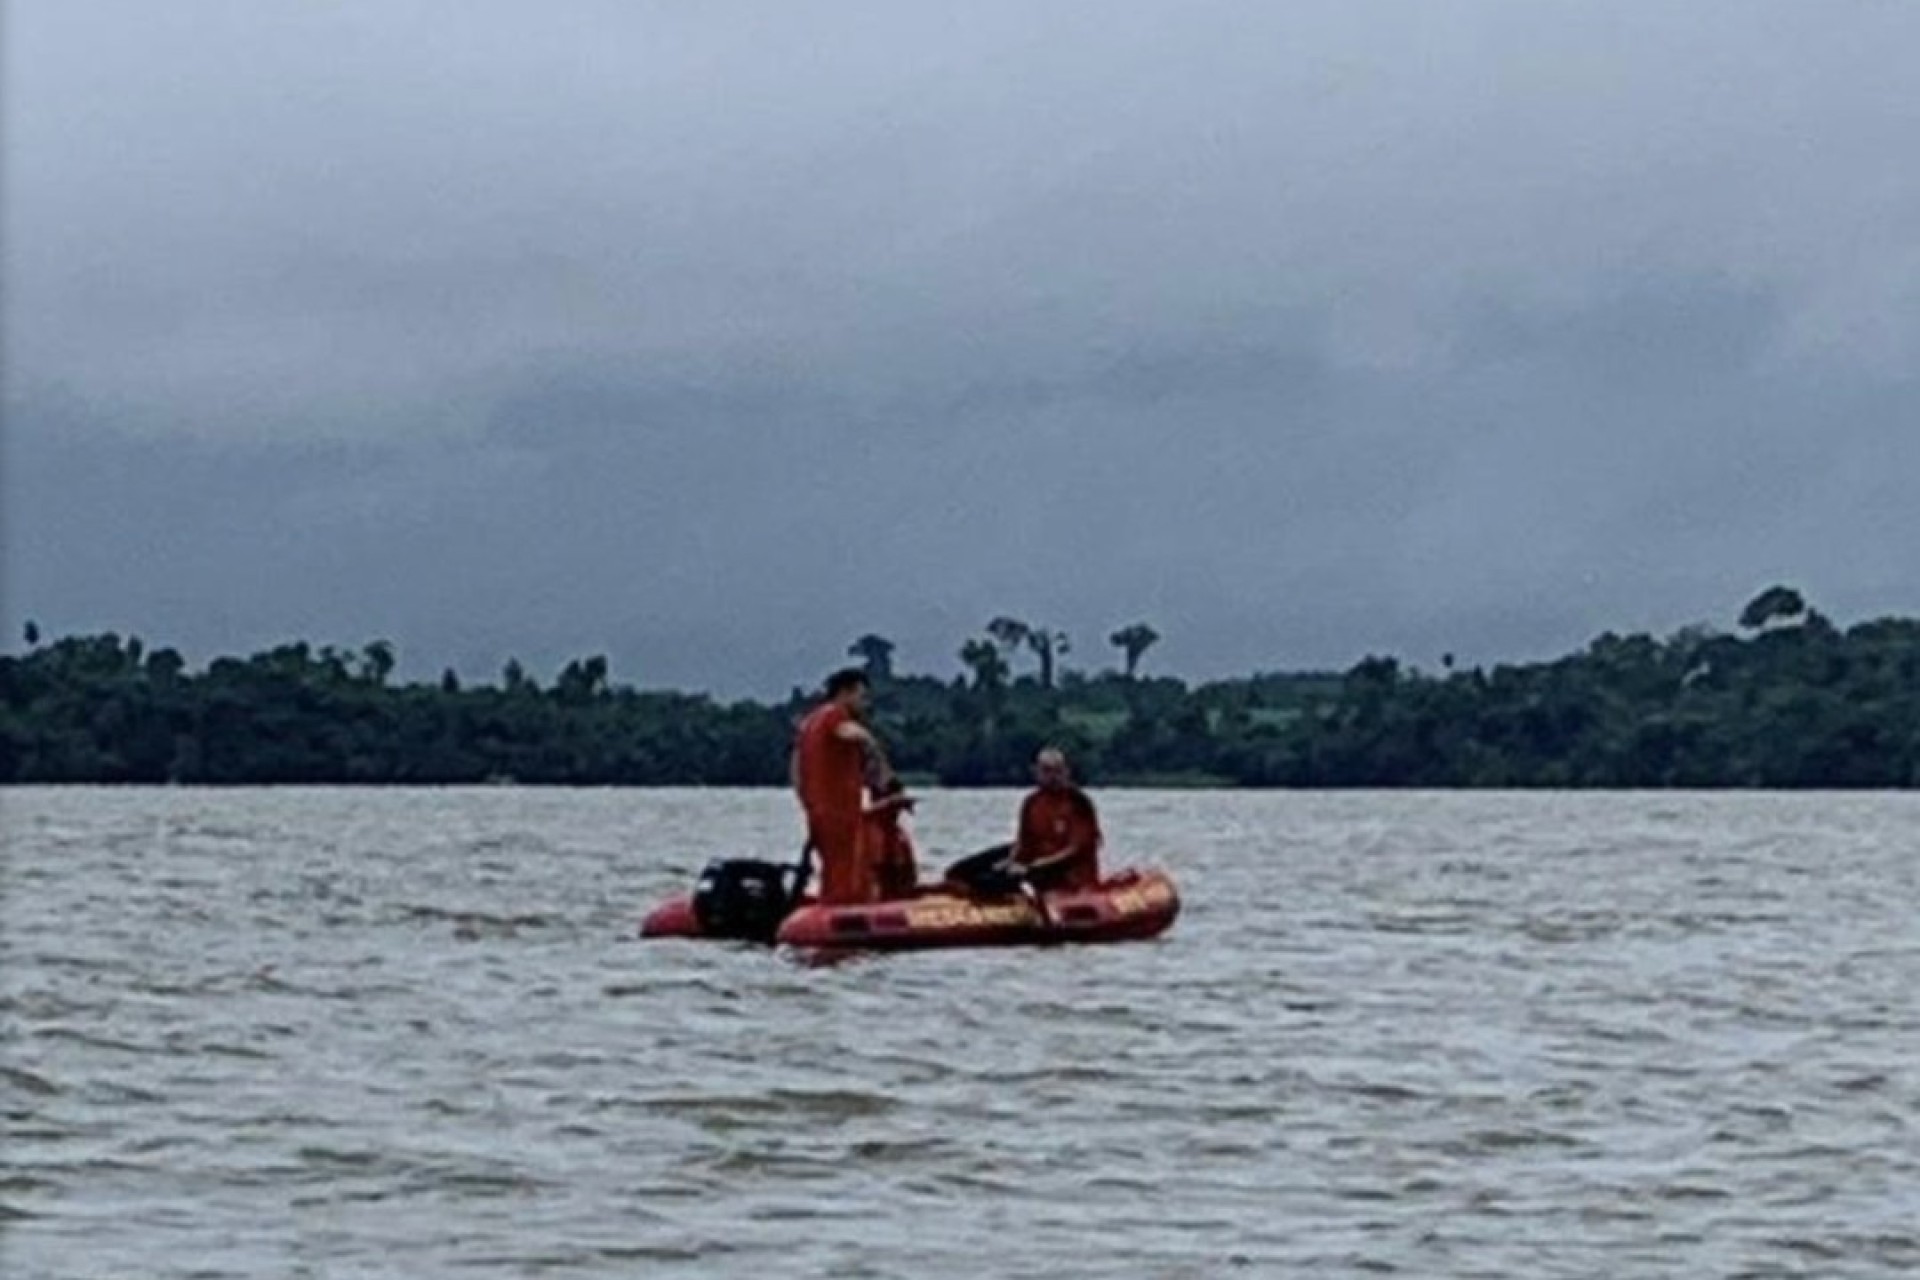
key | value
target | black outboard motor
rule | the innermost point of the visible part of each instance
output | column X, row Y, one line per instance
column 744, row 898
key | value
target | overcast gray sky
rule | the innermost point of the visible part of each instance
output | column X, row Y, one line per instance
column 710, row 336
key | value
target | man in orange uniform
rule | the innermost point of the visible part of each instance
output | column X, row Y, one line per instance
column 1059, row 840
column 828, row 769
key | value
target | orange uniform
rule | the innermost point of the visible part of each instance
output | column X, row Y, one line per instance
column 829, row 780
column 888, row 847
column 1053, row 820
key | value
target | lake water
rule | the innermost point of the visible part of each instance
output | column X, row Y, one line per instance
column 342, row 1033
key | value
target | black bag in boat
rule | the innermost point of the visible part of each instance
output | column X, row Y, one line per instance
column 990, row 873
column 742, row 898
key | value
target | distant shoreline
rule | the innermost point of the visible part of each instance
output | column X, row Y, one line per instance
column 1789, row 702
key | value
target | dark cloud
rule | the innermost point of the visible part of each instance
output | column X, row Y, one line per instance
column 711, row 339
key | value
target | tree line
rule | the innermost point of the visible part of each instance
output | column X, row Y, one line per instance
column 1786, row 699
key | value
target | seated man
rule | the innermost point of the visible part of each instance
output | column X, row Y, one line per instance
column 885, row 843
column 1058, row 845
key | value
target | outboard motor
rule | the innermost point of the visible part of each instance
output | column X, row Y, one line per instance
column 743, row 898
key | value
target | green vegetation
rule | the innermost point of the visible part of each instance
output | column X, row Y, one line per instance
column 1789, row 700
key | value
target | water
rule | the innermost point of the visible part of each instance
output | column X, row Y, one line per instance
column 382, row 1033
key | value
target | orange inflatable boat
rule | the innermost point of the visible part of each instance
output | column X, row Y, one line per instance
column 1124, row 907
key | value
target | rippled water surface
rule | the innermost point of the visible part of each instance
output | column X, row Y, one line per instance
column 387, row 1033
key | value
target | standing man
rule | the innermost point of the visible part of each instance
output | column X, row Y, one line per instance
column 1059, row 840
column 828, row 770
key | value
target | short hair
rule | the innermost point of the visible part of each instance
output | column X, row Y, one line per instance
column 847, row 678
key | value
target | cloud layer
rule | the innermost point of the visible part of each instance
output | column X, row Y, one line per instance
column 712, row 337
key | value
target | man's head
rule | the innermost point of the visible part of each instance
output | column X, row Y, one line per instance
column 1050, row 768
column 848, row 687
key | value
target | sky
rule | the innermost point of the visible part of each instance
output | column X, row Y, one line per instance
column 711, row 337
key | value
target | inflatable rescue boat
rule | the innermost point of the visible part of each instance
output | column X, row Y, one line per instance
column 1127, row 906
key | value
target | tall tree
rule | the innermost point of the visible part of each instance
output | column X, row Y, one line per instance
column 1775, row 604
column 1047, row 646
column 1009, row 633
column 876, row 656
column 165, row 665
column 582, row 681
column 1133, row 641
column 377, row 660
column 984, row 660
